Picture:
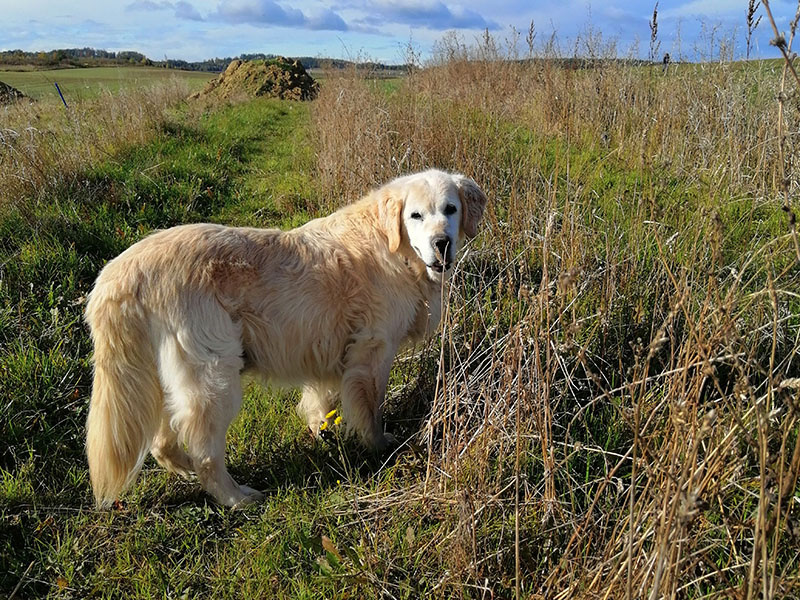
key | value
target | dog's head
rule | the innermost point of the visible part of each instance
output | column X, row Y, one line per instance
column 432, row 213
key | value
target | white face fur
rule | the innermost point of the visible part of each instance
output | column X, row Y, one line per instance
column 432, row 220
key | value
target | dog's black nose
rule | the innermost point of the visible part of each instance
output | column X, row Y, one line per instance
column 441, row 244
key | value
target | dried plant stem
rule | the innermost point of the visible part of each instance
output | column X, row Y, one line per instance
column 517, row 453
column 786, row 50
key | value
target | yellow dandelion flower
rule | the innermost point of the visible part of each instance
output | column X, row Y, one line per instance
column 337, row 420
column 330, row 414
column 323, row 426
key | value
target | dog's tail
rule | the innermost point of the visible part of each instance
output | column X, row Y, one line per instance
column 127, row 398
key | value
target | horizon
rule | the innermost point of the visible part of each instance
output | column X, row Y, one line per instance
column 382, row 31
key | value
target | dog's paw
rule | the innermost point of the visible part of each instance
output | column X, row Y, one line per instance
column 250, row 496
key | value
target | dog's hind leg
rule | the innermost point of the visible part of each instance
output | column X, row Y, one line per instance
column 201, row 378
column 168, row 452
column 204, row 412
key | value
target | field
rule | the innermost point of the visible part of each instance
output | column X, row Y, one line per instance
column 611, row 408
column 79, row 84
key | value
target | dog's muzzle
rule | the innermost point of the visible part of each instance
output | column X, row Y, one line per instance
column 441, row 246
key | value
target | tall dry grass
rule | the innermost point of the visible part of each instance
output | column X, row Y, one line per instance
column 613, row 407
column 44, row 145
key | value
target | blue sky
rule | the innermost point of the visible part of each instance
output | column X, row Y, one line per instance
column 356, row 29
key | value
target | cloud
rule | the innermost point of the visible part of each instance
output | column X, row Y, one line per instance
column 255, row 12
column 704, row 8
column 267, row 13
column 428, row 14
column 362, row 26
column 184, row 10
column 148, row 5
column 326, row 20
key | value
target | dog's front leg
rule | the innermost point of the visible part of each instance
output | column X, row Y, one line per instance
column 368, row 364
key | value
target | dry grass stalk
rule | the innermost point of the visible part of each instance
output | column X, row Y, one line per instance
column 752, row 23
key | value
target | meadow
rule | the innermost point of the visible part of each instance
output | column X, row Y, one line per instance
column 611, row 408
column 80, row 84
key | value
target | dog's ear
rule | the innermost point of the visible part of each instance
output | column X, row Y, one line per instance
column 473, row 202
column 390, row 211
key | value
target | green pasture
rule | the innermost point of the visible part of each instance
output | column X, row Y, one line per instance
column 77, row 84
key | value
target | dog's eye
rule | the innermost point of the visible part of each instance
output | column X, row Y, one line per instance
column 450, row 209
column 416, row 216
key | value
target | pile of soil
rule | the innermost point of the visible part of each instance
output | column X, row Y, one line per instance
column 275, row 78
column 10, row 94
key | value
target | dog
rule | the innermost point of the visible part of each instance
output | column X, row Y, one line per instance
column 179, row 316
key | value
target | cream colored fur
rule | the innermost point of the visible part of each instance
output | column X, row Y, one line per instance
column 177, row 317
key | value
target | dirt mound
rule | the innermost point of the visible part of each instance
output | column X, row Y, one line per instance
column 10, row 94
column 275, row 78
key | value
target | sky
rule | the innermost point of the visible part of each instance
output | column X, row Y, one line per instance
column 381, row 30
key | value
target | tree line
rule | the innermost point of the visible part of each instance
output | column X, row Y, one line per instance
column 91, row 57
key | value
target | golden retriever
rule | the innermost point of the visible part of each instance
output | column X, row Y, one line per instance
column 178, row 316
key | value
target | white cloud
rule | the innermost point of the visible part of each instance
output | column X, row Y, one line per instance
column 705, row 9
column 268, row 13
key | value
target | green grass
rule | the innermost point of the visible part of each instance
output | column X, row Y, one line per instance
column 337, row 521
column 328, row 528
column 196, row 169
column 245, row 164
column 78, row 84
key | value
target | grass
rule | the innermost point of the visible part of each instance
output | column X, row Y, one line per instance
column 227, row 165
column 194, row 169
column 610, row 409
column 81, row 84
